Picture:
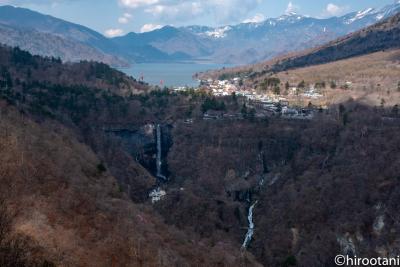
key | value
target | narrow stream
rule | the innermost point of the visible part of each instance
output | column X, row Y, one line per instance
column 250, row 230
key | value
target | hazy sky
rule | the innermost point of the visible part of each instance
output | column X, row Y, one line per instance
column 116, row 17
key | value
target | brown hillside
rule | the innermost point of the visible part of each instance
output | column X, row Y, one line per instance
column 75, row 211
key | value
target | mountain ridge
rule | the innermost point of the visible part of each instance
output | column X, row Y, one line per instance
column 69, row 38
column 246, row 42
column 381, row 36
column 242, row 43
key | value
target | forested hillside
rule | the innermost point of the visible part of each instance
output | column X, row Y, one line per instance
column 80, row 145
column 75, row 187
column 381, row 36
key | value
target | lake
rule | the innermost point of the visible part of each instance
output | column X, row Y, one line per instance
column 172, row 74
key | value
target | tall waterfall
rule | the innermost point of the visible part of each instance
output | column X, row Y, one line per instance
column 250, row 231
column 159, row 151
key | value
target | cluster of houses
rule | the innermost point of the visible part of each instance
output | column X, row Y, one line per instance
column 264, row 103
column 228, row 87
column 222, row 88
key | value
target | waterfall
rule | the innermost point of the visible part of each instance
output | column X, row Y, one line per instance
column 250, row 230
column 159, row 151
column 261, row 182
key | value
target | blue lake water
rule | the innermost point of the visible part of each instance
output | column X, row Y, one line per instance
column 171, row 74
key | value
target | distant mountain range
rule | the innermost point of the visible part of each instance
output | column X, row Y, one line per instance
column 252, row 42
column 236, row 44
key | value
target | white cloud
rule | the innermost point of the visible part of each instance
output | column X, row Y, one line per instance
column 150, row 27
column 114, row 32
column 137, row 3
column 224, row 11
column 332, row 9
column 291, row 8
column 125, row 18
column 229, row 11
column 256, row 19
column 178, row 12
column 335, row 10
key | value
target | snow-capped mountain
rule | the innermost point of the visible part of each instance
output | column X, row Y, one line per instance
column 250, row 42
column 238, row 44
column 360, row 15
column 371, row 15
column 350, row 21
column 255, row 41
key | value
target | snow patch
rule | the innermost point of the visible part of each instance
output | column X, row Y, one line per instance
column 360, row 15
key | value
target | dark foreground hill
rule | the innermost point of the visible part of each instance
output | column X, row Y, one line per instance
column 19, row 68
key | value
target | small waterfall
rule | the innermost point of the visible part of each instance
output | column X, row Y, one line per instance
column 250, row 231
column 159, row 154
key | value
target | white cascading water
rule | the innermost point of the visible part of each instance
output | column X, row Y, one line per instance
column 159, row 161
column 250, row 230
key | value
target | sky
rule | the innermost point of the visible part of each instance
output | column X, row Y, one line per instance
column 118, row 17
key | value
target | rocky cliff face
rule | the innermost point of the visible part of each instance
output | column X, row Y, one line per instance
column 142, row 145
